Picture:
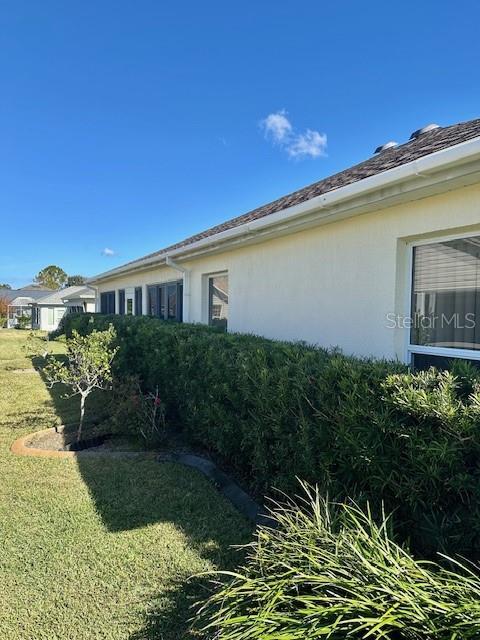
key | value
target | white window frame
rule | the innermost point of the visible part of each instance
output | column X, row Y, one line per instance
column 206, row 292
column 411, row 349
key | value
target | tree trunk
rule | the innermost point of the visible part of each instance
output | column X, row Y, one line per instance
column 82, row 415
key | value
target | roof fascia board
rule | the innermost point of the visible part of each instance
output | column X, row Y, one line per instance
column 405, row 182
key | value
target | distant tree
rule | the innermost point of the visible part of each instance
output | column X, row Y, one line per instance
column 4, row 302
column 52, row 277
column 73, row 281
column 5, row 286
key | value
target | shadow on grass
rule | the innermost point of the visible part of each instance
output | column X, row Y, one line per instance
column 135, row 493
column 171, row 617
column 132, row 493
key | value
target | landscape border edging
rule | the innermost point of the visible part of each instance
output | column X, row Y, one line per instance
column 21, row 448
column 224, row 484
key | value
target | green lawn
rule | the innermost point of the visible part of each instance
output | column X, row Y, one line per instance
column 97, row 548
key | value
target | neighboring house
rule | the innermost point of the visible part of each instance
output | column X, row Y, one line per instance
column 50, row 309
column 20, row 301
column 79, row 299
column 353, row 260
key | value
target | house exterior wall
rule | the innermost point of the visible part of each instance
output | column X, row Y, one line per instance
column 49, row 317
column 130, row 281
column 87, row 306
column 333, row 285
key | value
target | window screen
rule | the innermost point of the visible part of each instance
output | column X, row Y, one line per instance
column 218, row 300
column 107, row 302
column 138, row 301
column 446, row 294
column 164, row 301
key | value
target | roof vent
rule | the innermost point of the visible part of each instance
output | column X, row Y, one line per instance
column 427, row 129
column 387, row 145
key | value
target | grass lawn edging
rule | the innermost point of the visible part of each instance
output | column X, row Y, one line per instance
column 224, row 484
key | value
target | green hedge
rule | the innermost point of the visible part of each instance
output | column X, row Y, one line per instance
column 276, row 410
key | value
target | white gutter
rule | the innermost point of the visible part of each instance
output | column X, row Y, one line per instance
column 186, row 285
column 421, row 168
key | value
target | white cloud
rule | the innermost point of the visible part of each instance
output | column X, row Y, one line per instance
column 277, row 126
column 309, row 144
column 108, row 252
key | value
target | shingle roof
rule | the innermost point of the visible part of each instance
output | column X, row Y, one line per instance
column 425, row 144
column 76, row 292
column 24, row 292
column 56, row 297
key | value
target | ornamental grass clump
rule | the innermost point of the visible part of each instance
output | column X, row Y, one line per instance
column 330, row 571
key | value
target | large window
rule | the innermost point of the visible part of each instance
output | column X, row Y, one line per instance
column 218, row 300
column 446, row 296
column 165, row 300
column 107, row 302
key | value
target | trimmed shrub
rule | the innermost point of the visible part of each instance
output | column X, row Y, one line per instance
column 329, row 571
column 23, row 322
column 360, row 428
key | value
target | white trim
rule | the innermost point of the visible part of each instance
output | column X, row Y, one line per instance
column 439, row 237
column 169, row 281
column 448, row 352
column 186, row 278
column 205, row 293
column 408, row 301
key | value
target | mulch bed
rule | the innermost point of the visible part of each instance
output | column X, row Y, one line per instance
column 66, row 440
column 96, row 438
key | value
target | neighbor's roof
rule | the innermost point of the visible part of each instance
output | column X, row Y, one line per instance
column 57, row 297
column 35, row 285
column 418, row 147
column 24, row 292
column 77, row 292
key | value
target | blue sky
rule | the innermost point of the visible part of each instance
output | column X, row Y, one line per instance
column 130, row 125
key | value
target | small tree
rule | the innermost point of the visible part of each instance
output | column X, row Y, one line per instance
column 88, row 366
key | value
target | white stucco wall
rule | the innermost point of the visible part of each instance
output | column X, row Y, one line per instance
column 45, row 317
column 331, row 285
